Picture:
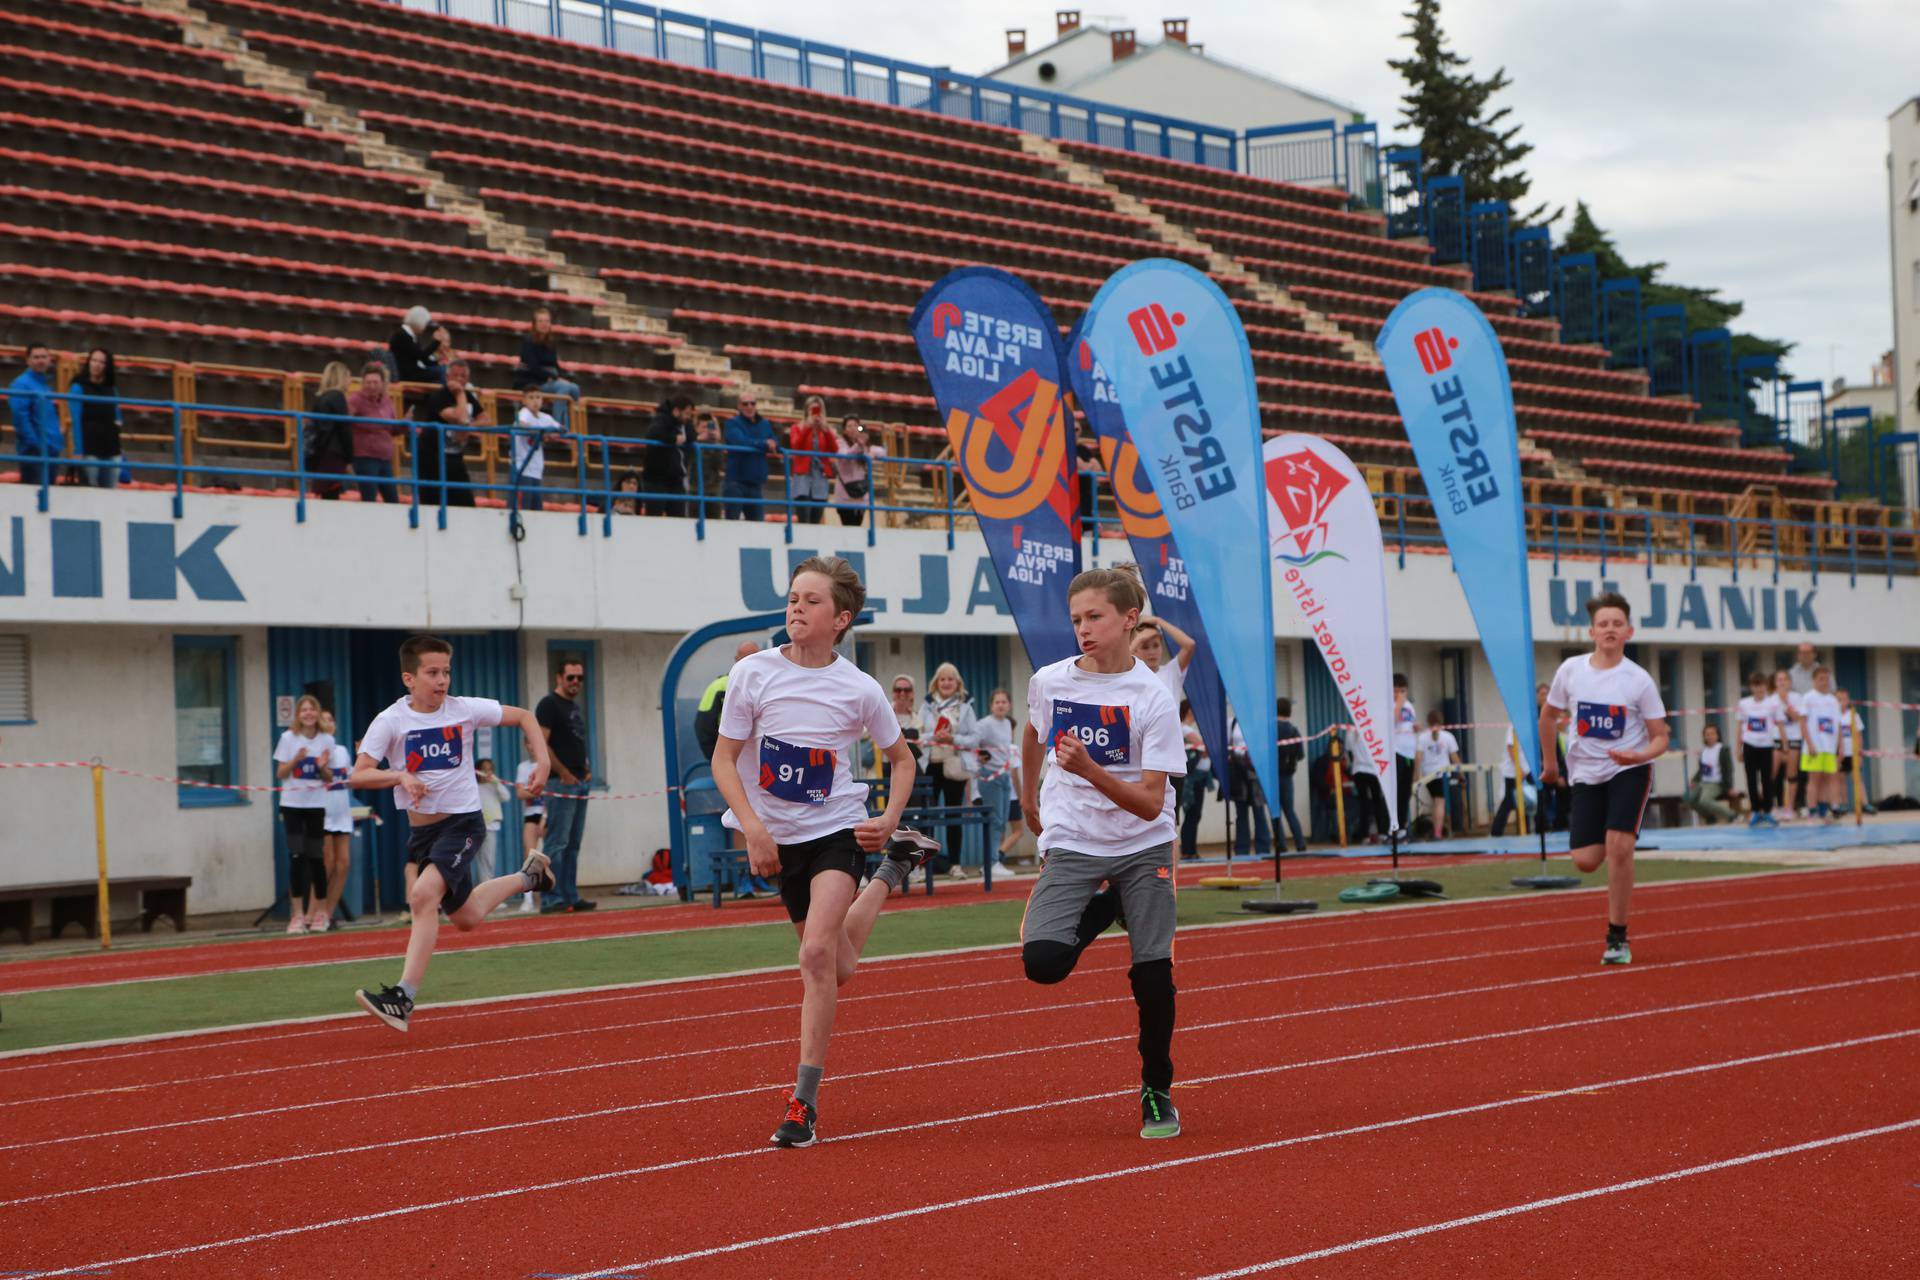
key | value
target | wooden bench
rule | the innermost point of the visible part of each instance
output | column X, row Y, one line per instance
column 77, row 902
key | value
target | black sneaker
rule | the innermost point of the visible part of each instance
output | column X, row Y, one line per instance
column 538, row 871
column 797, row 1129
column 389, row 1004
column 585, row 904
column 554, row 908
column 911, row 849
column 1158, row 1117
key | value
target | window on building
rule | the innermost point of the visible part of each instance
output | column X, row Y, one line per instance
column 16, row 685
column 587, row 654
column 1668, row 682
column 1713, row 689
column 206, row 718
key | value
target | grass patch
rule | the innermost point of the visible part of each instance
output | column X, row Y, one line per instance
column 36, row 1020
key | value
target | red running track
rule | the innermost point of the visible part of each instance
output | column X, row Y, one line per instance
column 1377, row 1095
column 508, row 928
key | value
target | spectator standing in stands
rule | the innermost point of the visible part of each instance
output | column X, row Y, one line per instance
column 417, row 348
column 853, row 473
column 539, row 368
column 905, row 712
column 663, row 468
column 813, row 436
column 37, row 430
column 374, row 431
column 97, row 410
column 1291, row 753
column 445, row 416
column 1086, row 463
column 564, row 722
column 329, row 435
column 628, row 483
column 707, row 465
column 532, row 427
column 750, row 441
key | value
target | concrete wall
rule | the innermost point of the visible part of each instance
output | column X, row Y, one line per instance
column 1903, row 173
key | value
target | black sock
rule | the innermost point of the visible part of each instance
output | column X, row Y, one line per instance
column 1153, row 992
column 1099, row 916
column 1616, row 932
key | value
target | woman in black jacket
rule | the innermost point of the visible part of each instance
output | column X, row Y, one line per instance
column 416, row 346
column 663, row 469
column 98, row 410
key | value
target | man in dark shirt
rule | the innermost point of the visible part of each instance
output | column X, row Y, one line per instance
column 1290, row 756
column 564, row 722
column 446, row 415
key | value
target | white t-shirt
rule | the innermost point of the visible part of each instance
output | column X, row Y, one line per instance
column 1406, row 730
column 1610, row 709
column 1757, row 722
column 1506, row 757
column 1822, row 711
column 1783, row 709
column 339, row 800
column 1194, row 741
column 529, row 451
column 435, row 745
column 1130, row 727
column 800, row 726
column 1846, row 732
column 1710, row 763
column 1437, row 750
column 302, row 789
column 536, row 807
column 1354, row 759
column 1173, row 677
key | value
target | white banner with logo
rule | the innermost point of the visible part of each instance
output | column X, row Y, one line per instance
column 1324, row 536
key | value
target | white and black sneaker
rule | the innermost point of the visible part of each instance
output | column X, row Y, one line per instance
column 389, row 1004
column 797, row 1129
column 911, row 849
column 539, row 872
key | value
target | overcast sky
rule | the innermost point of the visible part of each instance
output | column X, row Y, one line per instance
column 1743, row 142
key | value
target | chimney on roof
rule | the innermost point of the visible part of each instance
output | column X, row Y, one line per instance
column 1174, row 29
column 1016, row 42
column 1122, row 44
column 1066, row 21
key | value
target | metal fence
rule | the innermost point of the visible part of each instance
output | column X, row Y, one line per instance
column 588, row 475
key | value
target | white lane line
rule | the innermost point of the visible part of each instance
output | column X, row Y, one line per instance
column 896, row 1070
column 1534, row 1206
column 214, row 1039
column 787, row 1007
column 462, row 1202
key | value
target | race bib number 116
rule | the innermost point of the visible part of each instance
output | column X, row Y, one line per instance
column 1601, row 720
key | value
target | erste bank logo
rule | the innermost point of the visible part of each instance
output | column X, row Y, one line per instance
column 1435, row 350
column 1153, row 328
column 1303, row 488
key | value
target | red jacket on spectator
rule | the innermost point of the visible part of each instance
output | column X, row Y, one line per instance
column 815, row 435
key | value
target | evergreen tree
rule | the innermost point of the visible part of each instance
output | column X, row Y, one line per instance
column 1706, row 309
column 1447, row 105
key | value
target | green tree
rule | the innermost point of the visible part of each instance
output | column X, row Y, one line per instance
column 1448, row 107
column 1705, row 308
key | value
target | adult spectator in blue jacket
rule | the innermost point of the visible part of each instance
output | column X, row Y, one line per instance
column 750, row 440
column 37, row 429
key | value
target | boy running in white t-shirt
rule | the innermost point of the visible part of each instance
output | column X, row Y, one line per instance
column 1818, row 715
column 1104, row 814
column 784, row 763
column 429, row 735
column 1619, row 728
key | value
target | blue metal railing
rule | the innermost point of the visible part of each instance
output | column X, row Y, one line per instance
column 1487, row 222
column 1710, row 373
column 1757, row 385
column 1620, row 323
column 591, row 482
column 1406, row 206
column 1665, row 327
column 1447, row 219
column 1304, row 153
column 693, row 41
column 1576, row 291
column 1533, row 270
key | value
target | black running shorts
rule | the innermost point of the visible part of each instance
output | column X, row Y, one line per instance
column 450, row 844
column 800, row 863
column 1614, row 805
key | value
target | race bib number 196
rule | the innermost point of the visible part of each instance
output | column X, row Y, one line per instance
column 802, row 775
column 1106, row 732
column 1601, row 720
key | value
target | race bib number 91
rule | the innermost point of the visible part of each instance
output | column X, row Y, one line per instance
column 1106, row 732
column 430, row 750
column 802, row 775
column 308, row 768
column 1601, row 720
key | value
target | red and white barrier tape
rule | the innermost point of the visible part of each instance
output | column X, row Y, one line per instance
column 254, row 787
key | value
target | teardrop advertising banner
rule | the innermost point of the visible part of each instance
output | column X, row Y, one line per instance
column 992, row 354
column 1331, row 563
column 1450, row 379
column 1183, row 378
column 1169, row 590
